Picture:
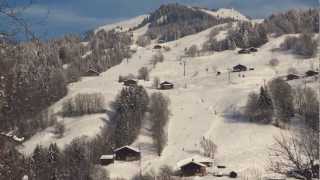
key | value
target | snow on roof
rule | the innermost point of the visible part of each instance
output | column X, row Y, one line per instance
column 195, row 159
column 128, row 147
column 107, row 157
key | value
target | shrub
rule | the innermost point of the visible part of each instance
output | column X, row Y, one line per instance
column 304, row 45
column 157, row 58
column 143, row 41
column 143, row 74
column 59, row 129
column 274, row 62
column 192, row 51
column 156, row 82
column 83, row 104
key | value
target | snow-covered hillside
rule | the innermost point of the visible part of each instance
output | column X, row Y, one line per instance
column 227, row 13
column 123, row 25
column 202, row 103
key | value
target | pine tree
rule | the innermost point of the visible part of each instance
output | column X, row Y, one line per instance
column 265, row 107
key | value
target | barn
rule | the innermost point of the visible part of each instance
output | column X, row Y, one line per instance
column 157, row 46
column 166, row 85
column 292, row 77
column 92, row 72
column 244, row 51
column 105, row 160
column 311, row 73
column 239, row 68
column 127, row 153
column 130, row 82
column 193, row 168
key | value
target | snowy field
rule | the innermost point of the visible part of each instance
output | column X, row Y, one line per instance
column 202, row 104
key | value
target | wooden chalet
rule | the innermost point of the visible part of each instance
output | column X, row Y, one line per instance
column 311, row 73
column 193, row 168
column 166, row 85
column 292, row 77
column 157, row 46
column 105, row 160
column 239, row 68
column 244, row 51
column 253, row 49
column 130, row 82
column 127, row 153
column 92, row 72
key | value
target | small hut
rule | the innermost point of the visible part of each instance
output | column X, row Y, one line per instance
column 105, row 160
column 253, row 49
column 239, row 68
column 193, row 169
column 292, row 77
column 311, row 73
column 244, row 51
column 157, row 46
column 130, row 82
column 127, row 153
column 92, row 72
column 166, row 85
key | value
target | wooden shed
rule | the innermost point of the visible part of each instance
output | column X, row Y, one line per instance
column 244, row 51
column 157, row 46
column 105, row 160
column 311, row 73
column 166, row 85
column 92, row 72
column 292, row 77
column 193, row 169
column 239, row 68
column 130, row 82
column 127, row 153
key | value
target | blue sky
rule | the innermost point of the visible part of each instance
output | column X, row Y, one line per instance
column 67, row 16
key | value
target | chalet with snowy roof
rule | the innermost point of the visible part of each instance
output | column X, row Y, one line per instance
column 92, row 72
column 105, row 160
column 311, row 73
column 244, row 51
column 127, row 153
column 253, row 49
column 193, row 168
column 157, row 46
column 130, row 82
column 239, row 68
column 166, row 85
column 292, row 77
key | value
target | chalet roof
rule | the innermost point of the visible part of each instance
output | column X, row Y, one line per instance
column 107, row 157
column 166, row 82
column 193, row 162
column 92, row 70
column 127, row 147
column 293, row 75
column 195, row 159
column 239, row 65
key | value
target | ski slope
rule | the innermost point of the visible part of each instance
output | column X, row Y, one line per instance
column 202, row 105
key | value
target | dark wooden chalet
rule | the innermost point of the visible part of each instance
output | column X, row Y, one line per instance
column 157, row 46
column 244, row 51
column 193, row 169
column 292, row 77
column 130, row 82
column 253, row 49
column 311, row 73
column 92, row 72
column 166, row 85
column 239, row 68
column 127, row 153
column 105, row 160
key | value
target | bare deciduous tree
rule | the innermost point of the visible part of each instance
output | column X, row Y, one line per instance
column 209, row 148
column 295, row 152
